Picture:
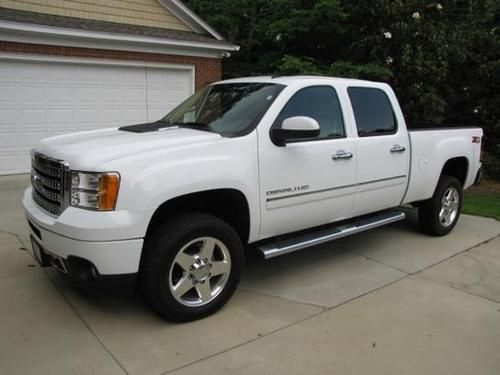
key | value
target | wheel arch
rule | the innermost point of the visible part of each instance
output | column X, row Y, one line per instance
column 456, row 167
column 230, row 205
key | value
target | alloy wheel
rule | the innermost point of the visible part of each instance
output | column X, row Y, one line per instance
column 200, row 271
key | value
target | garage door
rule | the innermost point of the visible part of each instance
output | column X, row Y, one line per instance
column 39, row 99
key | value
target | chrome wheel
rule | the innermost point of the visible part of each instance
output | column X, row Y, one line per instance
column 200, row 271
column 449, row 206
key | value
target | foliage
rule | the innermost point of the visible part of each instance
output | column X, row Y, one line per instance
column 442, row 58
column 306, row 65
column 482, row 204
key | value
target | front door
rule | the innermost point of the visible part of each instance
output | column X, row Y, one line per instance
column 307, row 183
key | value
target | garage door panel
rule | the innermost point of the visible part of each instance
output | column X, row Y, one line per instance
column 30, row 139
column 155, row 115
column 7, row 92
column 7, row 139
column 133, row 116
column 30, row 94
column 32, row 116
column 8, row 116
column 59, row 116
column 21, row 72
column 86, row 116
column 135, row 95
column 59, row 94
column 161, row 96
column 55, row 72
column 156, row 77
column 165, row 91
column 110, row 116
column 7, row 73
column 40, row 99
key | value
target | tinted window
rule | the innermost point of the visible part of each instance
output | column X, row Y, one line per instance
column 230, row 109
column 372, row 110
column 319, row 102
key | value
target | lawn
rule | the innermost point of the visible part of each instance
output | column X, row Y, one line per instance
column 483, row 200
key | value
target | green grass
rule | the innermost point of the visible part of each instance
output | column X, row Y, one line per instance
column 482, row 203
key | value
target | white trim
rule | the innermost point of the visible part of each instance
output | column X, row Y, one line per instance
column 34, row 39
column 21, row 32
column 94, row 61
column 190, row 18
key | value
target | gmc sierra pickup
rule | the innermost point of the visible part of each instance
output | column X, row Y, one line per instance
column 266, row 164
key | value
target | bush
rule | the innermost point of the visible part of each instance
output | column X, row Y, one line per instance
column 491, row 166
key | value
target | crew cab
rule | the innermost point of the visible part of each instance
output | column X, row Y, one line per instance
column 265, row 164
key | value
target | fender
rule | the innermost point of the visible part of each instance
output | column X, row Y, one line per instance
column 153, row 178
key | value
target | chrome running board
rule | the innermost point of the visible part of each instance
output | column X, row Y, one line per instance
column 285, row 246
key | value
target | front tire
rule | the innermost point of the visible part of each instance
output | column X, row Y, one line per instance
column 191, row 266
column 439, row 215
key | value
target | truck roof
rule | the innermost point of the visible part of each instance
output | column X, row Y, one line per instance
column 288, row 80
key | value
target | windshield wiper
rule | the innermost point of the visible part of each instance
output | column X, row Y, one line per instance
column 191, row 125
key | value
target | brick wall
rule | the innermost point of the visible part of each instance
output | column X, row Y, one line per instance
column 207, row 69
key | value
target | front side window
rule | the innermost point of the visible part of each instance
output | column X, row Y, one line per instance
column 320, row 103
column 372, row 111
column 230, row 109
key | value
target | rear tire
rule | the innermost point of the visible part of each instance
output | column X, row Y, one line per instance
column 190, row 267
column 438, row 215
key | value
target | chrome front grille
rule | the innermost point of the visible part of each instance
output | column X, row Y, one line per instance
column 49, row 180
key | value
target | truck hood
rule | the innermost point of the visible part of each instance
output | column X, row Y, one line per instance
column 87, row 150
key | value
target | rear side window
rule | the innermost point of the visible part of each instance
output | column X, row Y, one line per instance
column 320, row 103
column 372, row 111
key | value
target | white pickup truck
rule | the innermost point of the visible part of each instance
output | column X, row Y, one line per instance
column 266, row 164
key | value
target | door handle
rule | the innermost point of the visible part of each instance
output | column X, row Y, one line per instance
column 397, row 148
column 342, row 155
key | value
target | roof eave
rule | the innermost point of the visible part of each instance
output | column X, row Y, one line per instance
column 190, row 18
column 65, row 35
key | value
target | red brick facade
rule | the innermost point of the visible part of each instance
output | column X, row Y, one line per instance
column 207, row 69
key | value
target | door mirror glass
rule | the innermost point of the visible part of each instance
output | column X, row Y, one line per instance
column 295, row 128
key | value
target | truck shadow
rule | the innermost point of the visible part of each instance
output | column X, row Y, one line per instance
column 338, row 248
column 309, row 267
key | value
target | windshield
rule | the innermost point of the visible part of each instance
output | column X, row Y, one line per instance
column 230, row 109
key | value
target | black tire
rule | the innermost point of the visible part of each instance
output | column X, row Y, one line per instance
column 161, row 248
column 429, row 210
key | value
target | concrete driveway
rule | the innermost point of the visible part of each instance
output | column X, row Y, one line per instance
column 389, row 301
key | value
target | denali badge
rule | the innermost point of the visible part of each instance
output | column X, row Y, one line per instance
column 292, row 189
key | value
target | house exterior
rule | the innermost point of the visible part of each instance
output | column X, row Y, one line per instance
column 68, row 66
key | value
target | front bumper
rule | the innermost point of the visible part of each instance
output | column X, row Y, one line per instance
column 112, row 257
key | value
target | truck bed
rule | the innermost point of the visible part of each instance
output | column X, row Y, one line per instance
column 430, row 147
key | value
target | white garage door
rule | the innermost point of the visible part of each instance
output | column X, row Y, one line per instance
column 39, row 99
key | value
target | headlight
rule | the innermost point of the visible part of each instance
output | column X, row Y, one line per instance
column 95, row 191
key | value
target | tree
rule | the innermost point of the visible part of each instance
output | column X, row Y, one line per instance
column 442, row 58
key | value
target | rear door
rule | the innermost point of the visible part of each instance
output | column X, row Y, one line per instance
column 382, row 149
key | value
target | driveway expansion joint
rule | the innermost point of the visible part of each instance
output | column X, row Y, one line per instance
column 457, row 289
column 323, row 307
column 285, row 326
column 406, row 275
column 465, row 251
column 379, row 262
column 430, row 265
